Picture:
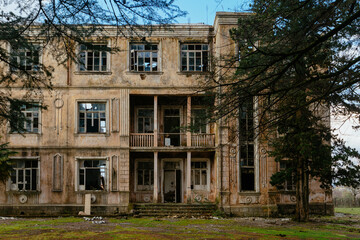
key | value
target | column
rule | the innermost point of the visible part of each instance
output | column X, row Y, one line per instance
column 156, row 174
column 188, row 122
column 155, row 121
column 188, row 177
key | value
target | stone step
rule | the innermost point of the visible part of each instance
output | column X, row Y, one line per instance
column 180, row 210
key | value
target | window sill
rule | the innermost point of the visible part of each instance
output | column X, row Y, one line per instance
column 247, row 193
column 146, row 73
column 91, row 191
column 92, row 73
column 189, row 73
column 24, row 192
column 24, row 133
column 92, row 134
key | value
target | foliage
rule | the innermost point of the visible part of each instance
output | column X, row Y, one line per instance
column 5, row 166
column 298, row 59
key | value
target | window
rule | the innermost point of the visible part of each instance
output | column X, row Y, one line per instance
column 93, row 57
column 31, row 124
column 198, row 120
column 195, row 57
column 199, row 175
column 144, row 57
column 247, row 153
column 145, row 120
column 92, row 175
column 145, row 175
column 92, row 117
column 25, row 59
column 289, row 184
column 25, row 175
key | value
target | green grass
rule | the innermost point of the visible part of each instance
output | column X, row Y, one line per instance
column 149, row 228
column 355, row 211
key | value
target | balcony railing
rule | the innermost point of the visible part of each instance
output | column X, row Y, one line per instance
column 202, row 140
column 172, row 140
column 141, row 139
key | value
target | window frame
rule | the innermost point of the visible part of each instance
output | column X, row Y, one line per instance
column 78, row 161
column 10, row 183
column 207, row 125
column 285, row 186
column 137, row 118
column 200, row 187
column 92, row 101
column 12, row 49
column 148, row 187
column 133, row 64
column 39, row 106
column 86, row 51
column 246, row 141
column 201, row 51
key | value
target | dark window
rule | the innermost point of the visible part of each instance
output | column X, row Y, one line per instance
column 198, row 120
column 247, row 151
column 289, row 184
column 25, row 59
column 145, row 175
column 144, row 57
column 93, row 58
column 145, row 120
column 195, row 57
column 24, row 176
column 92, row 117
column 199, row 175
column 92, row 175
column 32, row 118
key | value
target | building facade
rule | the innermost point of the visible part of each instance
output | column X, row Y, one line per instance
column 115, row 127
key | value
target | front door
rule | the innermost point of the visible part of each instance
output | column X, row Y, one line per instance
column 172, row 126
column 172, row 182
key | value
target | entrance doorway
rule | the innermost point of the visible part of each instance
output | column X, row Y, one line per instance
column 172, row 184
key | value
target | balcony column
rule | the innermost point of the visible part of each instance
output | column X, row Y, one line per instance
column 188, row 177
column 156, row 174
column 188, row 122
column 155, row 121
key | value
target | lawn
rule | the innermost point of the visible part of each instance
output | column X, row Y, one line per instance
column 335, row 227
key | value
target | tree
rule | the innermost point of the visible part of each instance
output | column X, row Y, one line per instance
column 298, row 59
column 60, row 24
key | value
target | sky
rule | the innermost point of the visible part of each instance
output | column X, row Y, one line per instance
column 203, row 11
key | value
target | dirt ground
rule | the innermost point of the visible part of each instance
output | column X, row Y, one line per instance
column 339, row 226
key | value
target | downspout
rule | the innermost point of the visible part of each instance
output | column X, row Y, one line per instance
column 221, row 153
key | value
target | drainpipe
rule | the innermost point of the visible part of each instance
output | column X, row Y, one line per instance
column 221, row 154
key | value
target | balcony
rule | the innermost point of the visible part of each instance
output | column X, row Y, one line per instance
column 172, row 140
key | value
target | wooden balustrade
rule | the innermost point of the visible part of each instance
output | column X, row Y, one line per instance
column 202, row 140
column 141, row 139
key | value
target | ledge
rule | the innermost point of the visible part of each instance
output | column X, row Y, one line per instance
column 92, row 73
column 189, row 73
column 249, row 193
column 144, row 73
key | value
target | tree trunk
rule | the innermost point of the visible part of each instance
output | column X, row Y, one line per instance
column 302, row 192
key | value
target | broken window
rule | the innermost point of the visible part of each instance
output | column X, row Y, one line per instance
column 31, row 124
column 92, row 117
column 92, row 175
column 145, row 120
column 195, row 57
column 199, row 175
column 144, row 57
column 247, row 153
column 145, row 175
column 25, row 175
column 93, row 57
column 25, row 58
column 289, row 184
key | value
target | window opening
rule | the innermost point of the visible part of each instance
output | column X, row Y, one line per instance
column 92, row 175
column 145, row 175
column 199, row 175
column 144, row 57
column 24, row 176
column 195, row 57
column 32, row 118
column 92, row 117
column 145, row 120
column 93, row 57
column 25, row 59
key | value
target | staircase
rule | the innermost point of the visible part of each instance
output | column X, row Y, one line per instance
column 174, row 210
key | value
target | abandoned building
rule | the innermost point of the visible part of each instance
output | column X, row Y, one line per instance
column 114, row 128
